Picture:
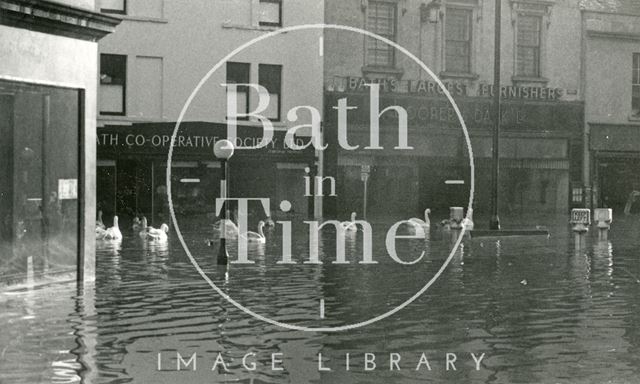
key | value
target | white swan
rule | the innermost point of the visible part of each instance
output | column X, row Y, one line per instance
column 100, row 233
column 255, row 237
column 143, row 229
column 350, row 226
column 99, row 223
column 426, row 223
column 137, row 224
column 158, row 235
column 113, row 233
column 230, row 228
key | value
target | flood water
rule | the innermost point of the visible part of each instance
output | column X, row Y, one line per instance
column 540, row 311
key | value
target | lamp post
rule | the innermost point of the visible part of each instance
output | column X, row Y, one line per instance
column 494, row 223
column 223, row 150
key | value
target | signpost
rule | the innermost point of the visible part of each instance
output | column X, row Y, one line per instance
column 365, row 170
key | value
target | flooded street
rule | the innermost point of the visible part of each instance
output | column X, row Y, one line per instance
column 539, row 311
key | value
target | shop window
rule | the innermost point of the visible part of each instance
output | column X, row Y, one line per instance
column 270, row 77
column 113, row 6
column 381, row 19
column 635, row 87
column 113, row 84
column 40, row 173
column 528, row 44
column 270, row 13
column 458, row 29
column 239, row 73
column 576, row 195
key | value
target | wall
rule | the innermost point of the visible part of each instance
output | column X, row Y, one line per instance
column 35, row 57
column 611, row 42
column 192, row 36
column 345, row 51
column 86, row 4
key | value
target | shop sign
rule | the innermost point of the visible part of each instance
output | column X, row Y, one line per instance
column 455, row 88
column 193, row 139
column 423, row 113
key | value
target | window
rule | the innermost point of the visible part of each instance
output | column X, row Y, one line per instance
column 458, row 40
column 113, row 84
column 270, row 77
column 238, row 73
column 113, row 6
column 528, row 45
column 41, row 189
column 635, row 88
column 381, row 19
column 270, row 13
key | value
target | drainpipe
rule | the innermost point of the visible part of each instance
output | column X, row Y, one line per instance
column 586, row 154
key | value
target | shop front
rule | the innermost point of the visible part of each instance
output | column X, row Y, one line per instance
column 616, row 166
column 540, row 150
column 48, row 95
column 132, row 171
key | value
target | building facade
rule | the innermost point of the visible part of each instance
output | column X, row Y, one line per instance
column 48, row 94
column 151, row 66
column 612, row 101
column 541, row 145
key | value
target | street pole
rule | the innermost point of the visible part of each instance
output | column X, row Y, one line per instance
column 494, row 223
column 364, row 214
column 223, row 256
column 223, row 150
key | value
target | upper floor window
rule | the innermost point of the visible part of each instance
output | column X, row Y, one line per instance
column 529, row 31
column 458, row 24
column 113, row 84
column 270, row 13
column 381, row 19
column 270, row 77
column 239, row 73
column 113, row 6
column 635, row 86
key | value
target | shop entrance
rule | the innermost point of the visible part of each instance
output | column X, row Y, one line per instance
column 618, row 178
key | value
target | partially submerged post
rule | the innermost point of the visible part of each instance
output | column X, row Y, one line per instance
column 580, row 222
column 223, row 150
column 603, row 218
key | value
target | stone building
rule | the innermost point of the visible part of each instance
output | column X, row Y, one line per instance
column 153, row 63
column 542, row 120
column 611, row 47
column 48, row 94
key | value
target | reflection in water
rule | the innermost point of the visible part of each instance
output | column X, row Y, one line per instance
column 575, row 320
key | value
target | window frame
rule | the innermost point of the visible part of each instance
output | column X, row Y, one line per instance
column 538, row 64
column 280, row 67
column 124, row 85
column 269, row 23
column 394, row 19
column 635, row 83
column 122, row 11
column 471, row 12
column 246, row 89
